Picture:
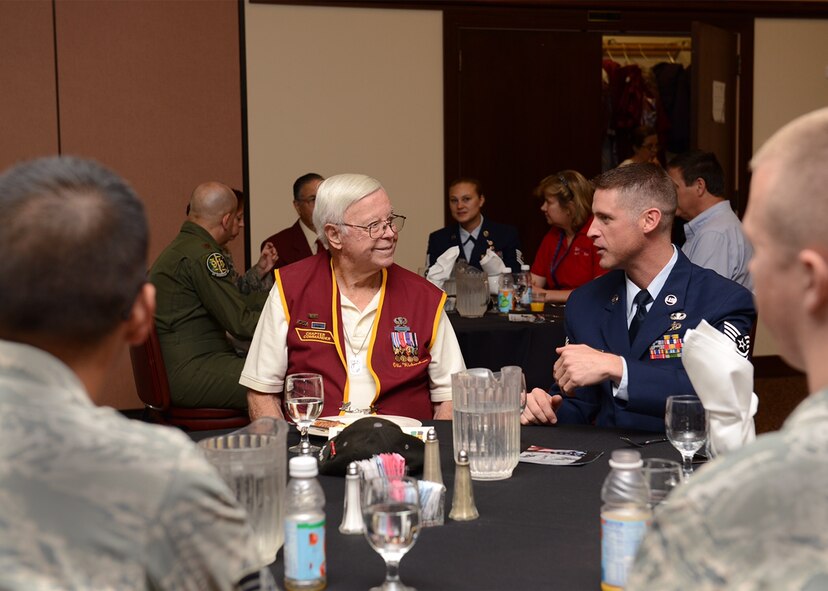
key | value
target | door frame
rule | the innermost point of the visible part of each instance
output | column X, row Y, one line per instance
column 628, row 22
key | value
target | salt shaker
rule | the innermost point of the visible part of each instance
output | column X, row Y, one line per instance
column 462, row 505
column 431, row 462
column 352, row 509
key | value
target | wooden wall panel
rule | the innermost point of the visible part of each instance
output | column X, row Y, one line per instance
column 28, row 101
column 152, row 90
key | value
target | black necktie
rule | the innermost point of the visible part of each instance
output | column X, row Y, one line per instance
column 641, row 300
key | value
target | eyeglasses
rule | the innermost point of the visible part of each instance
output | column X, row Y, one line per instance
column 377, row 229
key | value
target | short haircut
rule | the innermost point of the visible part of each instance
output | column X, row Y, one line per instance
column 697, row 164
column 573, row 191
column 338, row 193
column 640, row 134
column 478, row 186
column 642, row 186
column 796, row 156
column 74, row 241
column 302, row 181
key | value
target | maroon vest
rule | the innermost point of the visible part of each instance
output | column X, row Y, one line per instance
column 399, row 349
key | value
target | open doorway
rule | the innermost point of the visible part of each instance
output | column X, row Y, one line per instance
column 646, row 98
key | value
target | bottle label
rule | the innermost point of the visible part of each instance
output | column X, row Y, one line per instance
column 504, row 300
column 304, row 550
column 526, row 296
column 619, row 543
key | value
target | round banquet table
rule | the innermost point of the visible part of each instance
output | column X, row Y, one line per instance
column 540, row 529
column 492, row 341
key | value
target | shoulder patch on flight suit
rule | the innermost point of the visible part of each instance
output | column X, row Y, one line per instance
column 217, row 265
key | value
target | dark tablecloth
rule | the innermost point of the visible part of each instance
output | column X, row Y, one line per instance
column 540, row 529
column 493, row 341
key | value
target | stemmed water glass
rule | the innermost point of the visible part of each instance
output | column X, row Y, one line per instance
column 685, row 420
column 391, row 510
column 304, row 399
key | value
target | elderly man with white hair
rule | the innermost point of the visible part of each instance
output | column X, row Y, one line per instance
column 376, row 332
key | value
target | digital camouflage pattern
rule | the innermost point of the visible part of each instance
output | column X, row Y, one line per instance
column 92, row 500
column 756, row 518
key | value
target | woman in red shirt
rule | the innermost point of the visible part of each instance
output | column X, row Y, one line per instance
column 567, row 257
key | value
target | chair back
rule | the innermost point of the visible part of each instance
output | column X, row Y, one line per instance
column 150, row 373
column 153, row 387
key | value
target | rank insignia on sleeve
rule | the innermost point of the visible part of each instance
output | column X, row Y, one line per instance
column 734, row 334
column 743, row 345
column 667, row 347
column 217, row 265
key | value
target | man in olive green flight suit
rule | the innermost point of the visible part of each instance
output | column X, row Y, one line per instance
column 199, row 302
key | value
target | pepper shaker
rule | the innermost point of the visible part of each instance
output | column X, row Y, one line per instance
column 462, row 505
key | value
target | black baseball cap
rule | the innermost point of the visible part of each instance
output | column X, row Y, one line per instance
column 368, row 437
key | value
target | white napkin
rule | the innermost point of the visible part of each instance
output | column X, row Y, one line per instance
column 442, row 267
column 493, row 264
column 723, row 381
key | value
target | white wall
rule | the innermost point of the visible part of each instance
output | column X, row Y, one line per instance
column 334, row 90
column 790, row 79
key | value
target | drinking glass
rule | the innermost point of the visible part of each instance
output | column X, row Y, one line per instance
column 304, row 399
column 685, row 420
column 391, row 510
column 662, row 476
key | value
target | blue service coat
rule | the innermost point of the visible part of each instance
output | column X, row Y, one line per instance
column 501, row 238
column 596, row 316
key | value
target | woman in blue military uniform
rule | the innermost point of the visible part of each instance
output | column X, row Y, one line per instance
column 474, row 234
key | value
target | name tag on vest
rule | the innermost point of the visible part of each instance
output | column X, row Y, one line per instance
column 316, row 336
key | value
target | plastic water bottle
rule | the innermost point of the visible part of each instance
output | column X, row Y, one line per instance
column 523, row 292
column 304, row 528
column 625, row 516
column 505, row 293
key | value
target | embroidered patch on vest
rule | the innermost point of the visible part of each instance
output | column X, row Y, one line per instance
column 316, row 336
column 217, row 265
column 667, row 347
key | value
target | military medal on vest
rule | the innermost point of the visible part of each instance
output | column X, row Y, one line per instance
column 405, row 347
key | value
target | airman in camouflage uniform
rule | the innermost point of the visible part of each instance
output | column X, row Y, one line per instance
column 758, row 517
column 199, row 301
column 88, row 498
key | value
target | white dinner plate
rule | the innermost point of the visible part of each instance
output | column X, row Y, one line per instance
column 403, row 422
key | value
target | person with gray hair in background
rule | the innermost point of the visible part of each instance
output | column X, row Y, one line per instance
column 715, row 239
column 299, row 240
column 90, row 499
column 756, row 517
column 376, row 332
